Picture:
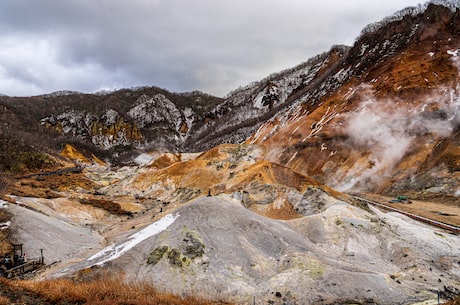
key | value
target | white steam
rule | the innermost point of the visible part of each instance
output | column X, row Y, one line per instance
column 387, row 130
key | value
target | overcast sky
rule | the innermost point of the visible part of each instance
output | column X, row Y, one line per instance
column 213, row 46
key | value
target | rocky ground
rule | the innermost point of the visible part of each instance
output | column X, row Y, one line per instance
column 217, row 247
column 285, row 239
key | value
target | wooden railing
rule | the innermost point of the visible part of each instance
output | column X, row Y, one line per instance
column 442, row 225
column 26, row 267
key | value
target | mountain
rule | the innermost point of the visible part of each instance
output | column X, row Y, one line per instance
column 391, row 122
column 399, row 80
column 252, row 197
column 142, row 117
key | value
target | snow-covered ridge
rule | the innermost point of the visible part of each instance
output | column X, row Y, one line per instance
column 281, row 74
column 61, row 93
column 3, row 204
column 247, row 107
column 453, row 5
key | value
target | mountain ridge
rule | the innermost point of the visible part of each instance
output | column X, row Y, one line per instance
column 207, row 126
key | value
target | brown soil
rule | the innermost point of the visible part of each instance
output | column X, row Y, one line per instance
column 108, row 205
column 455, row 302
column 48, row 186
column 284, row 212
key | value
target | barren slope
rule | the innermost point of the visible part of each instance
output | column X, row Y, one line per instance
column 60, row 241
column 216, row 247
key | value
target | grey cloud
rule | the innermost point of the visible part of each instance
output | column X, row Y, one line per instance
column 181, row 45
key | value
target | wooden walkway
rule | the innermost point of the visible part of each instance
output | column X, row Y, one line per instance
column 26, row 267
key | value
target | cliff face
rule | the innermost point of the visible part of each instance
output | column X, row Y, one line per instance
column 105, row 131
column 151, row 119
column 143, row 117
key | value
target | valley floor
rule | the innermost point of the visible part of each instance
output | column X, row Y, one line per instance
column 74, row 220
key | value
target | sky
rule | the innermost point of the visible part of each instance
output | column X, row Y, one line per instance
column 214, row 46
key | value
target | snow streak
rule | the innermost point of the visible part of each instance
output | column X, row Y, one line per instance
column 116, row 250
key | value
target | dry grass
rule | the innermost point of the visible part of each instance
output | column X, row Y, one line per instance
column 102, row 292
column 454, row 302
column 5, row 243
column 4, row 300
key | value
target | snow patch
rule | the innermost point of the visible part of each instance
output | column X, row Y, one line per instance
column 455, row 58
column 257, row 134
column 3, row 204
column 143, row 159
column 116, row 250
column 258, row 101
column 292, row 158
column 5, row 225
column 364, row 47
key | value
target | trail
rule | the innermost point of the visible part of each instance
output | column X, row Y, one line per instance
column 453, row 229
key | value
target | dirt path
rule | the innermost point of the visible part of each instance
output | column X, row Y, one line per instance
column 446, row 213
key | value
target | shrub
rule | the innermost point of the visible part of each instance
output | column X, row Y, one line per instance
column 16, row 155
column 4, row 300
column 4, row 183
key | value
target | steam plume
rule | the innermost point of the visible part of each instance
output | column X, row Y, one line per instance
column 387, row 130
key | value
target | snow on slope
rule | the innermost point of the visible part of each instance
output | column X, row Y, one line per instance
column 116, row 250
column 3, row 204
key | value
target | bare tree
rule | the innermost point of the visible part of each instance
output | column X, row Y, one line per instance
column 3, row 183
